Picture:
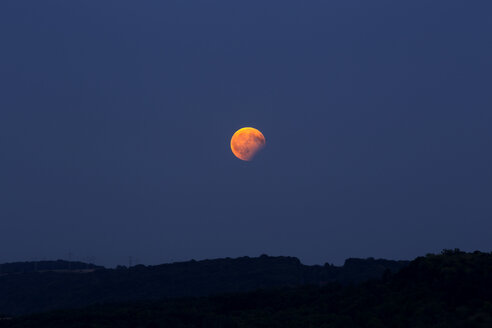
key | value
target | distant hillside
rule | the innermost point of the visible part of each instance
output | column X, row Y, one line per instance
column 44, row 290
column 451, row 290
column 42, row 266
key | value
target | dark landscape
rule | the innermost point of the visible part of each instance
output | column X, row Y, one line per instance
column 452, row 289
column 62, row 284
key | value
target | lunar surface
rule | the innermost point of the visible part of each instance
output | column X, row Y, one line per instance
column 246, row 143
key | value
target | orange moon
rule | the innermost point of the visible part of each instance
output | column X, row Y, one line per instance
column 246, row 142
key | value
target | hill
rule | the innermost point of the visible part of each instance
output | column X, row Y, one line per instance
column 450, row 290
column 35, row 291
column 44, row 266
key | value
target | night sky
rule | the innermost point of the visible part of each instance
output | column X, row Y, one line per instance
column 116, row 118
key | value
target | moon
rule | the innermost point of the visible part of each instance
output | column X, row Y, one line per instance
column 246, row 142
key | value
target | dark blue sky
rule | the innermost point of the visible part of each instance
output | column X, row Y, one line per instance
column 116, row 117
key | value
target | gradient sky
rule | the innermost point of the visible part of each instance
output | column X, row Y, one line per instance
column 116, row 118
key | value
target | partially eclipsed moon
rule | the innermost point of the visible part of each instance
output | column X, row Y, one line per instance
column 246, row 142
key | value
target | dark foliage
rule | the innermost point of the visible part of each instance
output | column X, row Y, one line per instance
column 451, row 290
column 31, row 292
column 43, row 266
